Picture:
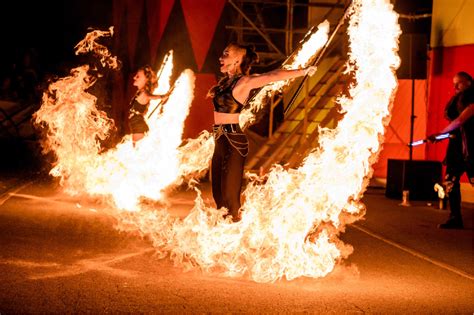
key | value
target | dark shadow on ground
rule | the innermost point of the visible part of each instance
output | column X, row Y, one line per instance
column 20, row 160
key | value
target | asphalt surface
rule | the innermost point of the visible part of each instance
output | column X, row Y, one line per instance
column 62, row 254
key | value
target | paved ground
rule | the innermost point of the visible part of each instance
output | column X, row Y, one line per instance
column 56, row 257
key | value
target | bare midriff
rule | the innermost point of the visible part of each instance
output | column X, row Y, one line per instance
column 224, row 118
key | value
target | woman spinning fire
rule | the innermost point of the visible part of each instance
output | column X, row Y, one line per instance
column 229, row 97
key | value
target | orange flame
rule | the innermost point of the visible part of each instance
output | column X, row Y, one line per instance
column 74, row 126
column 291, row 221
column 125, row 173
column 89, row 44
column 128, row 173
column 303, row 58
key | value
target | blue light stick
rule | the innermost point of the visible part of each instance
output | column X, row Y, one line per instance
column 439, row 137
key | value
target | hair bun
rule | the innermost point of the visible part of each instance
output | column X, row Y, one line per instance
column 250, row 47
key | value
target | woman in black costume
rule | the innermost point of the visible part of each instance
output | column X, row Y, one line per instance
column 229, row 97
column 145, row 80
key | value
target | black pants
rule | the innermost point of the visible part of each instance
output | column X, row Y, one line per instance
column 231, row 149
column 456, row 165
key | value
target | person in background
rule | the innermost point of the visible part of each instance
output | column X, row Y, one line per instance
column 459, row 111
column 145, row 80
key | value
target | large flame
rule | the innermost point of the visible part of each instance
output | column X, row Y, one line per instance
column 291, row 218
column 128, row 173
column 304, row 57
column 75, row 127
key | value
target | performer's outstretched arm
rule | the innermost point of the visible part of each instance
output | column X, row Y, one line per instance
column 254, row 81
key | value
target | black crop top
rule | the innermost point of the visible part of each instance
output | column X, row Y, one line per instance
column 224, row 101
column 138, row 108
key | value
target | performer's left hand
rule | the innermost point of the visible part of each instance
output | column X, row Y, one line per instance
column 310, row 70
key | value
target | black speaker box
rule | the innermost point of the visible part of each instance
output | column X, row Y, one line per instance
column 416, row 176
column 413, row 54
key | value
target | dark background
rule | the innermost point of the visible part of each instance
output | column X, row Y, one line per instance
column 48, row 30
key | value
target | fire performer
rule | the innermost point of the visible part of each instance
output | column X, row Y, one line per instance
column 229, row 97
column 460, row 152
column 145, row 80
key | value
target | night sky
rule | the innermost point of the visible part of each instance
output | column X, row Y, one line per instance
column 48, row 28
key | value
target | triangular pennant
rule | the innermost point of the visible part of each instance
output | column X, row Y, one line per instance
column 201, row 20
column 218, row 42
column 158, row 13
column 176, row 37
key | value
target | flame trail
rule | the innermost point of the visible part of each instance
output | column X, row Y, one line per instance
column 195, row 156
column 303, row 58
column 128, row 173
column 290, row 222
column 89, row 44
column 75, row 126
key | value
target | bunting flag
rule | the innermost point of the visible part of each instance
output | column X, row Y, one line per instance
column 158, row 13
column 201, row 20
column 176, row 37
